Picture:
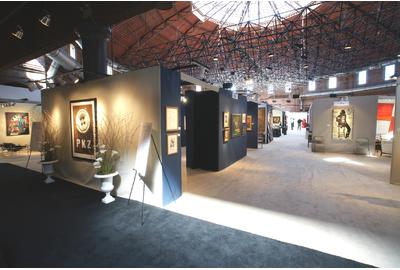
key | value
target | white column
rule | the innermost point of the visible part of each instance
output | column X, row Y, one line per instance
column 395, row 168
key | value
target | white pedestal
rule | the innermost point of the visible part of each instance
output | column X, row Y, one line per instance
column 107, row 186
column 48, row 170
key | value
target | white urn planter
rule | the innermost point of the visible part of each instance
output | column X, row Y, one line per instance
column 106, row 186
column 48, row 170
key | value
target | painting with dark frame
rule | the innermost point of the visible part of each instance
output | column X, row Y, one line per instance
column 249, row 121
column 83, row 128
column 236, row 125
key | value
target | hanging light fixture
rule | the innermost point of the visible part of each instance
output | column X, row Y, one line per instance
column 45, row 20
column 347, row 46
column 18, row 33
column 305, row 66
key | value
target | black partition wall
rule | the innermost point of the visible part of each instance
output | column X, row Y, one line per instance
column 205, row 145
column 252, row 124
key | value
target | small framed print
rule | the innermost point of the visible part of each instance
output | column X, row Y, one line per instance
column 172, row 117
column 226, row 120
column 243, row 118
column 226, row 134
column 172, row 143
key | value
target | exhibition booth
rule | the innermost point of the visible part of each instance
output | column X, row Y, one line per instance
column 136, row 116
column 215, row 129
column 265, row 124
column 252, row 125
column 353, row 125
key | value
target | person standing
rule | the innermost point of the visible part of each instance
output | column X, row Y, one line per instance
column 299, row 124
column 291, row 123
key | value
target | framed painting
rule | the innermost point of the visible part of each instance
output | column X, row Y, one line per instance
column 172, row 143
column 226, row 134
column 236, row 125
column 243, row 118
column 249, row 122
column 17, row 123
column 172, row 118
column 342, row 123
column 226, row 120
column 84, row 128
column 276, row 120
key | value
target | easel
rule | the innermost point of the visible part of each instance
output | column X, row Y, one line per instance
column 141, row 177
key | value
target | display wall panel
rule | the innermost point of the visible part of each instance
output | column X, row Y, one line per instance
column 137, row 94
column 252, row 125
column 363, row 123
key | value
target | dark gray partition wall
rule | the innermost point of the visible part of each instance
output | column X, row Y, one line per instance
column 183, row 130
column 142, row 94
column 205, row 147
column 170, row 96
column 252, row 134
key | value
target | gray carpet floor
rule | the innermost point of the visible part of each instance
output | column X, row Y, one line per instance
column 65, row 225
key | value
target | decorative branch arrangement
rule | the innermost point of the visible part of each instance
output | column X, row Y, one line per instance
column 50, row 137
column 115, row 133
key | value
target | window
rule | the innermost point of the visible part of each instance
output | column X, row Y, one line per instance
column 311, row 85
column 288, row 87
column 109, row 70
column 270, row 89
column 389, row 72
column 332, row 82
column 362, row 77
column 72, row 51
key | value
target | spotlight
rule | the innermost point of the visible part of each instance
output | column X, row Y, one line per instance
column 347, row 47
column 270, row 55
column 305, row 66
column 215, row 58
column 19, row 33
column 398, row 55
column 45, row 20
column 76, row 80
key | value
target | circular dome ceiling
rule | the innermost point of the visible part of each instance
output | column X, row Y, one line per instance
column 233, row 13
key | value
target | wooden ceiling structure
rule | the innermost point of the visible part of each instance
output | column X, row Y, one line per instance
column 317, row 39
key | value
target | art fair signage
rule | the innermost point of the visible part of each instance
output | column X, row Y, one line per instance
column 341, row 103
column 83, row 128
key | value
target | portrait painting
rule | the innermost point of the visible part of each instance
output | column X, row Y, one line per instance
column 342, row 123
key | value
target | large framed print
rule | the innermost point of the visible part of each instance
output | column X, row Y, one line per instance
column 84, row 128
column 172, row 144
column 226, row 120
column 172, row 123
column 342, row 123
column 17, row 123
column 236, row 125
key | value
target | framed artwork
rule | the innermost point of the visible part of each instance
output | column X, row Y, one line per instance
column 226, row 120
column 276, row 120
column 17, row 123
column 226, row 134
column 172, row 144
column 249, row 121
column 84, row 128
column 236, row 125
column 244, row 130
column 342, row 123
column 243, row 118
column 172, row 118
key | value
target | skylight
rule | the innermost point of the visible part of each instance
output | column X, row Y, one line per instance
column 233, row 13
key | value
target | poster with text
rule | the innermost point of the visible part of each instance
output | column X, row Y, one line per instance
column 84, row 128
column 342, row 123
column 17, row 123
